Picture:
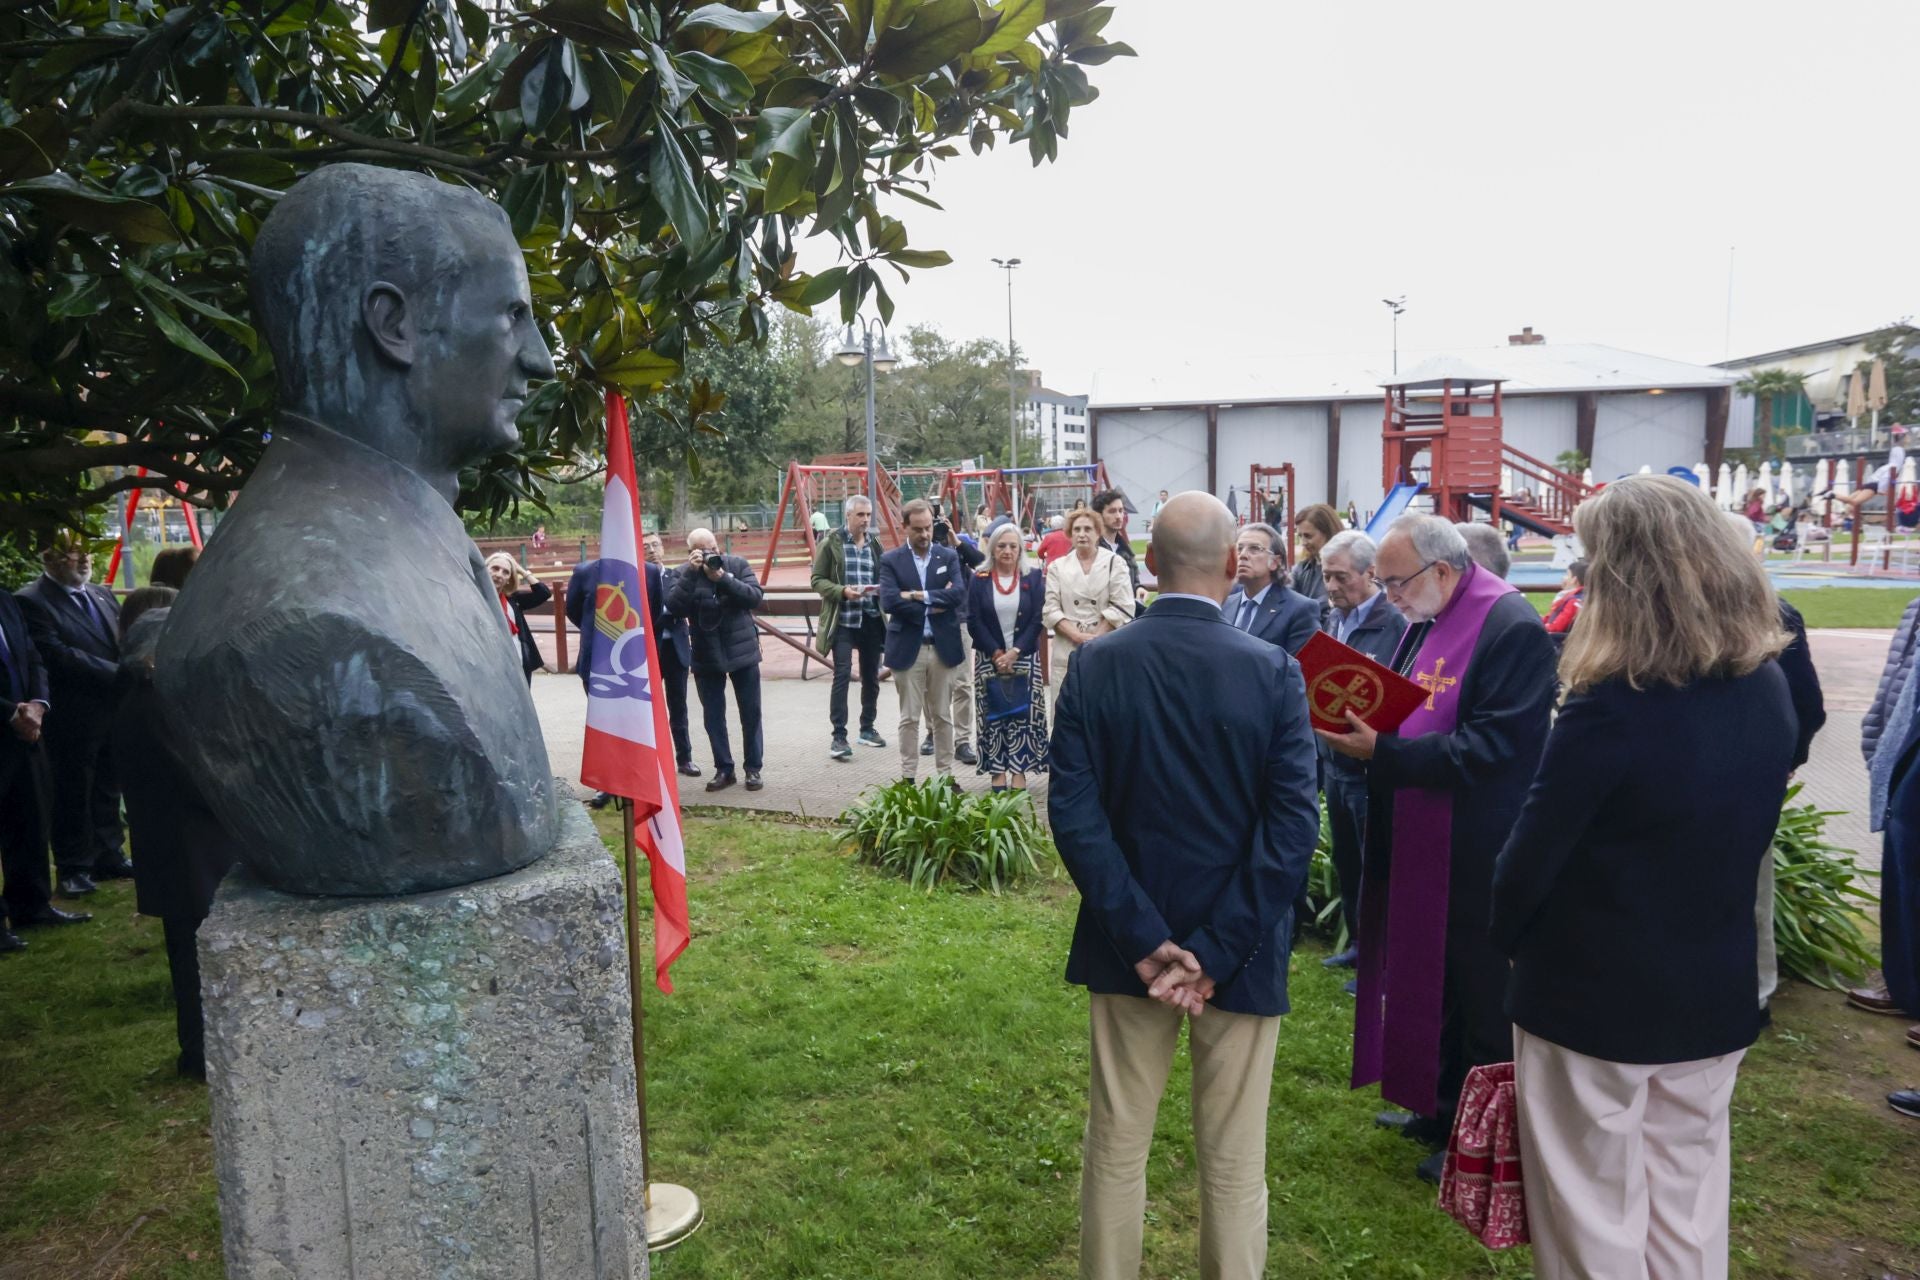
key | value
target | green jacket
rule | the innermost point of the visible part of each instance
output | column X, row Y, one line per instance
column 830, row 583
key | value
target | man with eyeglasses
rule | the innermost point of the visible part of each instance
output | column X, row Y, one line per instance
column 1361, row 619
column 1443, row 790
column 1261, row 603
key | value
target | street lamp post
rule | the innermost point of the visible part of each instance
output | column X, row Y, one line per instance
column 1013, row 414
column 876, row 356
column 1398, row 305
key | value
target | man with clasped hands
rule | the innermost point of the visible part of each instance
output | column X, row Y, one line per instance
column 1187, row 870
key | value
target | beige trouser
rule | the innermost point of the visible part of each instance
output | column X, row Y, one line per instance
column 1626, row 1166
column 926, row 689
column 1133, row 1042
column 963, row 693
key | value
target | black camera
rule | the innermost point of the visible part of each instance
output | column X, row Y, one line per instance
column 942, row 531
column 715, row 560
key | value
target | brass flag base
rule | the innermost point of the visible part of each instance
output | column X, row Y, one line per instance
column 673, row 1214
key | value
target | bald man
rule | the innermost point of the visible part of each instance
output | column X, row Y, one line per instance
column 1186, row 871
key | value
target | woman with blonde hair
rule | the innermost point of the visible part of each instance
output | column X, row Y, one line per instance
column 519, row 591
column 1088, row 593
column 1005, row 600
column 1625, row 895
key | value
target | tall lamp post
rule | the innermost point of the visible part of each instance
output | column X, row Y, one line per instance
column 1398, row 305
column 864, row 349
column 1013, row 414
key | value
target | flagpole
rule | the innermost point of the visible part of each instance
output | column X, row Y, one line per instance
column 634, row 979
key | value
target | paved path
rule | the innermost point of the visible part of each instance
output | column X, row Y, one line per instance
column 802, row 779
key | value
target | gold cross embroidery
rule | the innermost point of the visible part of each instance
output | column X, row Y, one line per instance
column 1354, row 693
column 1435, row 684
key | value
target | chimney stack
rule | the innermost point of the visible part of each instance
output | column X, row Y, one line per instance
column 1526, row 338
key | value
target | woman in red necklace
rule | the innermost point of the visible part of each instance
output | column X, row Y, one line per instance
column 1004, row 604
column 519, row 591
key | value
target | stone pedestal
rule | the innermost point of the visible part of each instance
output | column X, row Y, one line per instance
column 436, row 1087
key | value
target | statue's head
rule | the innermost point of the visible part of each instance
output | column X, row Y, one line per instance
column 398, row 313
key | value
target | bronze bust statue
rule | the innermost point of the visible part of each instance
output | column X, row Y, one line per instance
column 338, row 673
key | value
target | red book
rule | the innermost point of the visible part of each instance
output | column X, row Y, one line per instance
column 1341, row 679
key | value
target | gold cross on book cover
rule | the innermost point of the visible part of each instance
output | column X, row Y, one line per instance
column 1341, row 679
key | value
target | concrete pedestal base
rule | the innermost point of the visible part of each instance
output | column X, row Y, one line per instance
column 436, row 1087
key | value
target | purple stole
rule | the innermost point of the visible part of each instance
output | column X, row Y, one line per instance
column 1403, row 923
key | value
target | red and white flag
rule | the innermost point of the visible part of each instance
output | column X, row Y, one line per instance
column 626, row 712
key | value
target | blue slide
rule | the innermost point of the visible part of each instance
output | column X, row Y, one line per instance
column 1392, row 507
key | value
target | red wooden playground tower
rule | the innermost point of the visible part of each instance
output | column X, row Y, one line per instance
column 1442, row 433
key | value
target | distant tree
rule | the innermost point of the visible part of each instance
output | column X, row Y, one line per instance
column 659, row 159
column 1899, row 345
column 1572, row 461
column 1768, row 387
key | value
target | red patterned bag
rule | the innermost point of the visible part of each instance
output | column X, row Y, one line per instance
column 1480, row 1186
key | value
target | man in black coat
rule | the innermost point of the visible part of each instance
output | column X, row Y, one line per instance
column 27, row 898
column 717, row 595
column 1183, row 805
column 1360, row 618
column 1111, row 506
column 1502, row 710
column 1261, row 603
column 76, row 627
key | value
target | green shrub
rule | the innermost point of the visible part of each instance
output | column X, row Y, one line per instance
column 933, row 834
column 1818, row 894
column 1323, row 888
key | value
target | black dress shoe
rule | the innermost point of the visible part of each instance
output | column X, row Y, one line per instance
column 720, row 781
column 51, row 914
column 74, row 886
column 926, row 747
column 689, row 769
column 600, row 800
column 11, row 941
column 1430, row 1169
column 753, row 780
column 964, row 754
column 121, row 870
column 1344, row 960
column 1425, row 1130
column 1906, row 1102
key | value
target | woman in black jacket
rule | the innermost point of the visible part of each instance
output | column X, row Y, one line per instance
column 519, row 591
column 1625, row 895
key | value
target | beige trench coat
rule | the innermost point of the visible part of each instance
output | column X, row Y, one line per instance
column 1099, row 598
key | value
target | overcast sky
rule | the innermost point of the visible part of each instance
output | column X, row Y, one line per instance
column 1266, row 171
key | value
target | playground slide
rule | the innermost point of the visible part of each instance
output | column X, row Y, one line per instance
column 1392, row 507
column 1514, row 514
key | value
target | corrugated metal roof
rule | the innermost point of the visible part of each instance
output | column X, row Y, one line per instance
column 1559, row 366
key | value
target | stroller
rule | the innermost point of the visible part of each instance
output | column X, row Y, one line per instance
column 1783, row 530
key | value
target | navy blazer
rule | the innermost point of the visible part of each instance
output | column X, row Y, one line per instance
column 983, row 617
column 83, row 660
column 669, row 633
column 28, row 682
column 906, row 619
column 1182, row 802
column 1625, row 893
column 1285, row 618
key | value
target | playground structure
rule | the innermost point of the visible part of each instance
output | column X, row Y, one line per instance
column 1442, row 434
column 1040, row 493
column 967, row 491
column 824, row 485
column 1261, row 491
column 163, row 493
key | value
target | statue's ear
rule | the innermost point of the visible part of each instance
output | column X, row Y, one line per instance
column 389, row 322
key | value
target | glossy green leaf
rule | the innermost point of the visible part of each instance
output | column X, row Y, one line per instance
column 920, row 257
column 677, row 190
column 721, row 82
column 786, row 131
column 1101, row 54
column 720, row 17
column 938, row 32
column 589, row 22
column 1018, row 20
column 131, row 220
column 186, row 339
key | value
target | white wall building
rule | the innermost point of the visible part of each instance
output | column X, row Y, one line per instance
column 1323, row 414
column 1059, row 420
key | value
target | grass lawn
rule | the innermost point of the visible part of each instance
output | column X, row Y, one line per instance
column 862, row 1081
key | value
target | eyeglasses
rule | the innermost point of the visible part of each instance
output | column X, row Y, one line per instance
column 1397, row 585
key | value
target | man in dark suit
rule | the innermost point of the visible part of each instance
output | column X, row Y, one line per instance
column 76, row 627
column 1360, row 618
column 922, row 589
column 1182, row 803
column 1261, row 603
column 28, row 894
column 1493, row 681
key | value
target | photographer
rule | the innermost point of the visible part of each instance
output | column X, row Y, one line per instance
column 971, row 558
column 717, row 594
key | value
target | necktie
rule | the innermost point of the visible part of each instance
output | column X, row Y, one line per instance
column 1247, row 606
column 87, row 606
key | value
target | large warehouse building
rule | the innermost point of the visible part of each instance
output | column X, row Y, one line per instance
column 1621, row 409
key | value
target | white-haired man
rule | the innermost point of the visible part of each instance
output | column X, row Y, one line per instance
column 1443, row 791
column 1486, row 546
column 1360, row 618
